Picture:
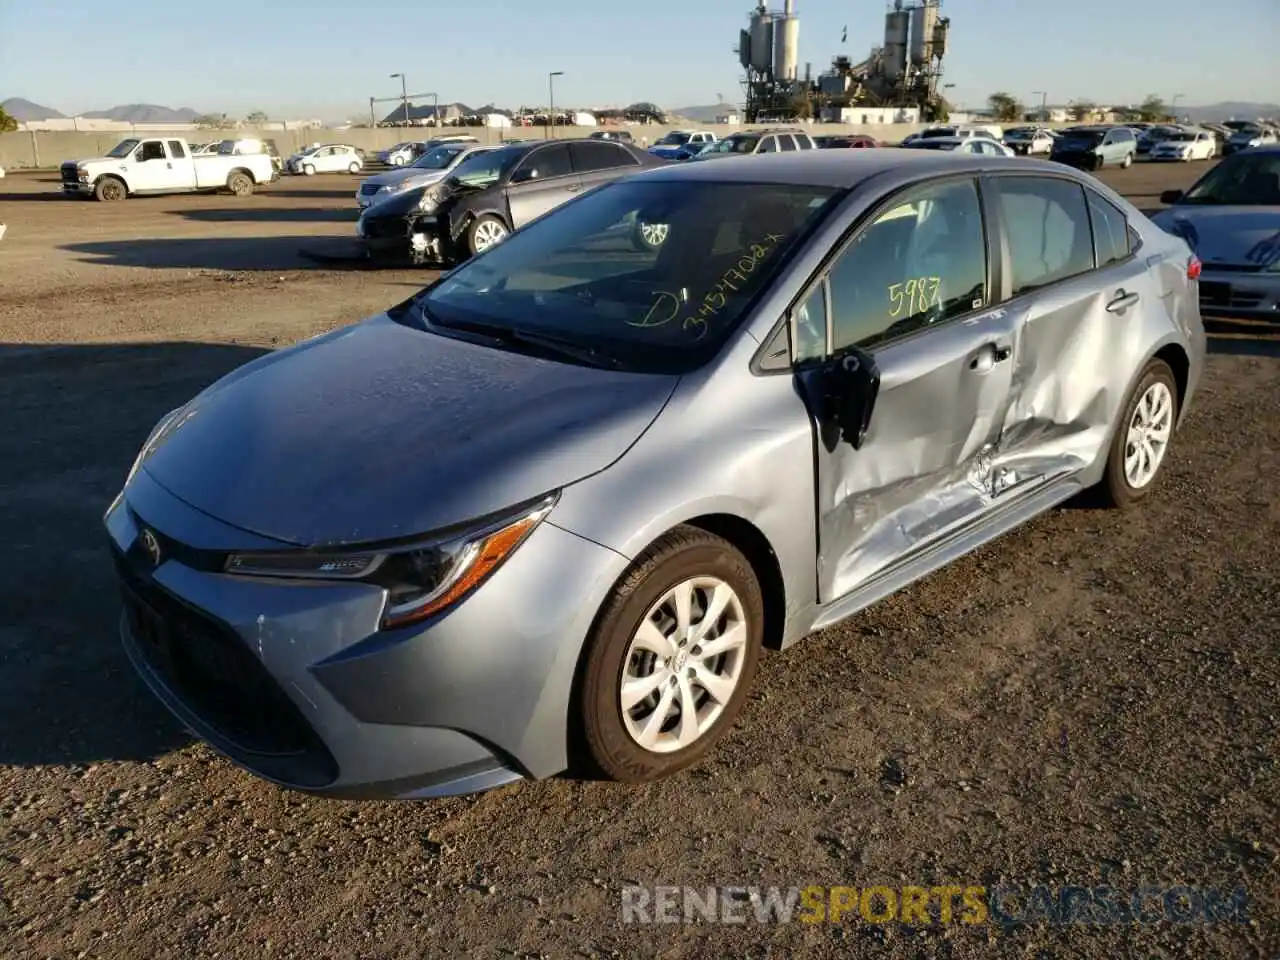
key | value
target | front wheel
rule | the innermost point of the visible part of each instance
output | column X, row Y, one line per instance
column 309, row 170
column 485, row 232
column 354, row 168
column 1142, row 439
column 1127, row 162
column 669, row 663
column 649, row 236
column 110, row 189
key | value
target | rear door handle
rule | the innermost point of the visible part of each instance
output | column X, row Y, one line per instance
column 988, row 356
column 1122, row 302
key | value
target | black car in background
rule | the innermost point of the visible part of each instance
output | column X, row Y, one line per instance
column 491, row 194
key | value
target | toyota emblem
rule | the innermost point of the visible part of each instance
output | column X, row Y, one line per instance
column 152, row 546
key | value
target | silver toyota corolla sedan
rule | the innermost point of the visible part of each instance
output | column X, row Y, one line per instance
column 547, row 513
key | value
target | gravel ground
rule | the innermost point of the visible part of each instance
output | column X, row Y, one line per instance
column 1093, row 699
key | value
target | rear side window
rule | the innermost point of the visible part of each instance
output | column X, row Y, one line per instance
column 1110, row 230
column 787, row 143
column 589, row 156
column 1047, row 223
column 920, row 263
column 175, row 149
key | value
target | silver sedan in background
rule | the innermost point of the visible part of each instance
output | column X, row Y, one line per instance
column 547, row 513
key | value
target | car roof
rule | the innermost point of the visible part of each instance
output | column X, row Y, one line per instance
column 841, row 170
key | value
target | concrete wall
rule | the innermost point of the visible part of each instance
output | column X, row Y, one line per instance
column 46, row 150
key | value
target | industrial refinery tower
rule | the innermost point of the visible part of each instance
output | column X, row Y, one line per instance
column 903, row 72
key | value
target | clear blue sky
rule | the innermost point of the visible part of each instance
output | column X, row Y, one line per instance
column 300, row 58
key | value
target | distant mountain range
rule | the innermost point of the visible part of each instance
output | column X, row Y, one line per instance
column 25, row 110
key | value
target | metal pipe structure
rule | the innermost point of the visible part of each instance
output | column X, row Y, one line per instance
column 551, row 102
column 404, row 95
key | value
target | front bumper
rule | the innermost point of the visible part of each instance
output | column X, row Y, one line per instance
column 78, row 188
column 1239, row 295
column 293, row 681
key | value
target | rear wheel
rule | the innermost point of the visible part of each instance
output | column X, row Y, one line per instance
column 1127, row 162
column 670, row 661
column 485, row 232
column 110, row 189
column 240, row 183
column 1142, row 439
column 354, row 168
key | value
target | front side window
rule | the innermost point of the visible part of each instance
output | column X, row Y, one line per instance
column 122, row 149
column 152, row 150
column 1046, row 222
column 921, row 262
column 545, row 163
column 587, row 274
column 768, row 145
column 1110, row 231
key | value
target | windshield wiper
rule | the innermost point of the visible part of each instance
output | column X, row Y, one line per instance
column 546, row 342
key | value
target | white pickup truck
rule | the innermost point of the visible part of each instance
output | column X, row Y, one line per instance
column 166, row 165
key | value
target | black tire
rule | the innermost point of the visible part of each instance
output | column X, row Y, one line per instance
column 477, row 225
column 110, row 189
column 1127, row 162
column 1098, row 163
column 240, row 183
column 1115, row 491
column 604, row 742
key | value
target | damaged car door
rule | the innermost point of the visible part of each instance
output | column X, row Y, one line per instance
column 913, row 292
column 1077, row 292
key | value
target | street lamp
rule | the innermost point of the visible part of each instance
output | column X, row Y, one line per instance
column 1173, row 105
column 551, row 101
column 404, row 95
column 1044, row 104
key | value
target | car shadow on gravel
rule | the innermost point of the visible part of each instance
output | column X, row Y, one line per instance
column 45, row 195
column 271, row 254
column 75, row 416
column 273, row 215
column 1243, row 338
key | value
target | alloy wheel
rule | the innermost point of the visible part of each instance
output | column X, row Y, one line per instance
column 489, row 233
column 1147, row 439
column 683, row 664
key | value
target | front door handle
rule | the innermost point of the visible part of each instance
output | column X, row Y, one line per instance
column 573, row 189
column 1122, row 302
column 988, row 356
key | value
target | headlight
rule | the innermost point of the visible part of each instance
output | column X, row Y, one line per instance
column 1255, row 143
column 421, row 579
column 430, row 200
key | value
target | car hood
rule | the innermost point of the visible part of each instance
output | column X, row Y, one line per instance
column 420, row 177
column 1226, row 236
column 378, row 431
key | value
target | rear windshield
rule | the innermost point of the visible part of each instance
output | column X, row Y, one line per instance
column 934, row 144
column 654, row 275
column 939, row 132
column 1084, row 136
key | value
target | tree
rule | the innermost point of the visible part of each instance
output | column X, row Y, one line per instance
column 1005, row 107
column 1152, row 109
column 213, row 121
column 1083, row 110
column 803, row 107
column 7, row 123
column 256, row 118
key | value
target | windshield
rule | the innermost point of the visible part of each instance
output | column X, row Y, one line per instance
column 674, row 139
column 653, row 275
column 437, row 159
column 1090, row 137
column 1246, row 179
column 123, row 149
column 1019, row 134
column 486, row 169
column 1241, row 126
column 1180, row 137
column 735, row 145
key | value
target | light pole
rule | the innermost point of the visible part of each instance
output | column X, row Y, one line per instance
column 1173, row 106
column 404, row 95
column 1044, row 104
column 373, row 121
column 551, row 101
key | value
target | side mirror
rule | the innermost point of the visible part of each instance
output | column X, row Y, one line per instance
column 1171, row 196
column 844, row 388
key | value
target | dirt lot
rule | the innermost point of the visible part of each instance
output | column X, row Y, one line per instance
column 1091, row 700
